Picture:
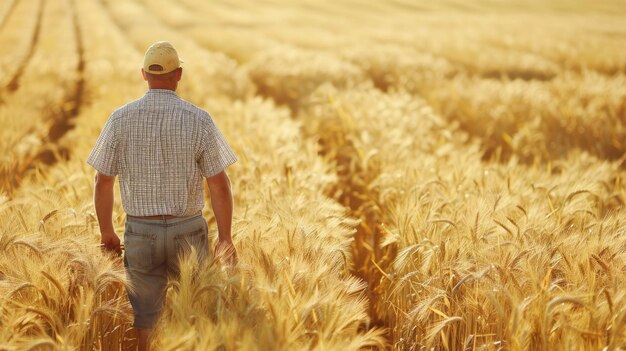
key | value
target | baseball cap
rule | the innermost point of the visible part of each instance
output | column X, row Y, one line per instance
column 161, row 58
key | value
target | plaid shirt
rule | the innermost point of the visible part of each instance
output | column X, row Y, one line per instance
column 161, row 147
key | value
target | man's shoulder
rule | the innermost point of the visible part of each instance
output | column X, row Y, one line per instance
column 201, row 116
column 195, row 110
column 124, row 109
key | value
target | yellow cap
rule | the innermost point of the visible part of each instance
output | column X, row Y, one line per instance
column 161, row 58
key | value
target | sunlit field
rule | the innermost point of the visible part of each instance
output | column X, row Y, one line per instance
column 412, row 175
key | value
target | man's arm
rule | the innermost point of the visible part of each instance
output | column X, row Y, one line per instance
column 103, row 199
column 222, row 204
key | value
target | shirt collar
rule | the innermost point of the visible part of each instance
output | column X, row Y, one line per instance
column 161, row 91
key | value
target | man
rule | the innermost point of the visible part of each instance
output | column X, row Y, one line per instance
column 161, row 147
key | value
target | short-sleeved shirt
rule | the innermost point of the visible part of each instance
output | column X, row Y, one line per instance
column 161, row 147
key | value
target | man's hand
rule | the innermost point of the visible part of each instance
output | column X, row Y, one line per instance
column 111, row 242
column 225, row 252
column 103, row 199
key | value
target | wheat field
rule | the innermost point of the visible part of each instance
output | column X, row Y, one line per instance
column 412, row 175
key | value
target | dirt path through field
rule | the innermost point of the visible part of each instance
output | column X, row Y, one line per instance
column 63, row 119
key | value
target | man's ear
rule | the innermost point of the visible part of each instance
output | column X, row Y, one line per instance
column 143, row 74
column 179, row 75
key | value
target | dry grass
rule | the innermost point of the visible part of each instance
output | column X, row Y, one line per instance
column 443, row 176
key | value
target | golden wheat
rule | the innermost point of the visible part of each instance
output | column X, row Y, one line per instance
column 443, row 176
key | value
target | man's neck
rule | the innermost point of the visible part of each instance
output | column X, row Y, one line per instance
column 162, row 88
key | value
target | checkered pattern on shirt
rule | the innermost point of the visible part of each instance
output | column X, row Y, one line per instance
column 161, row 147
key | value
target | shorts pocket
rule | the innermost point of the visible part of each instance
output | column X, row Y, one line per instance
column 140, row 250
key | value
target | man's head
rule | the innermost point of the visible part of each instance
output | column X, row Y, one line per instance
column 161, row 66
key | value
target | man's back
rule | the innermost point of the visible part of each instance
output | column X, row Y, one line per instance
column 161, row 147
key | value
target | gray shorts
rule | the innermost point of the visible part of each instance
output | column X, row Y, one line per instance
column 152, row 249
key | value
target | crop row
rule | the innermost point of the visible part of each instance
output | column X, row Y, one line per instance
column 458, row 252
column 35, row 112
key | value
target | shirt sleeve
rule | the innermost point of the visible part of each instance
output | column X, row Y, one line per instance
column 215, row 153
column 104, row 155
